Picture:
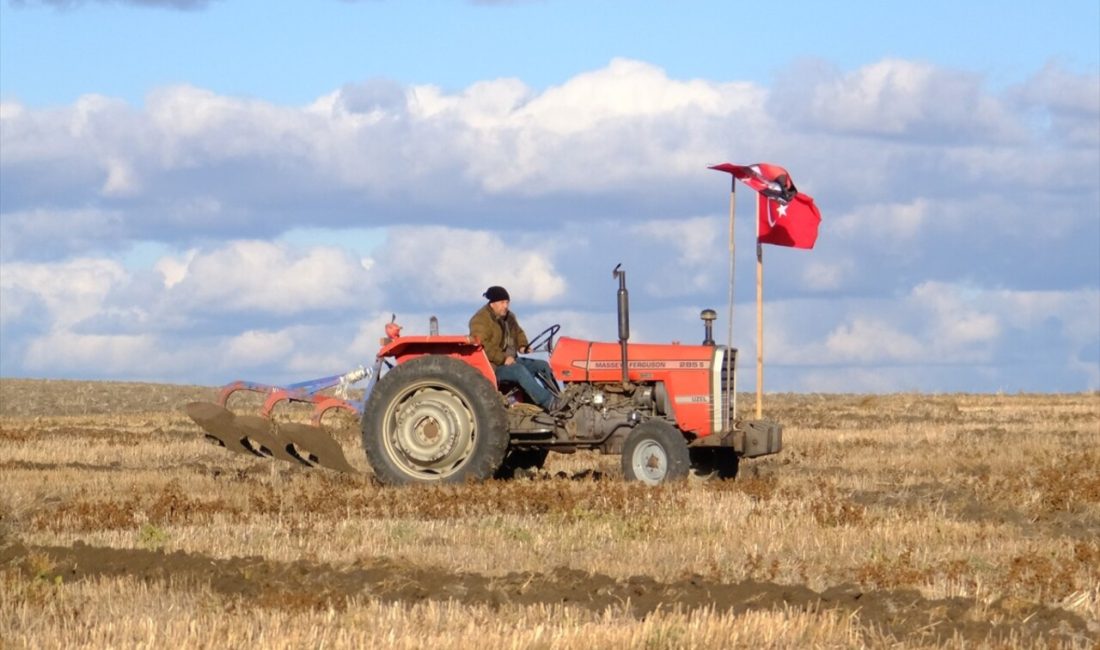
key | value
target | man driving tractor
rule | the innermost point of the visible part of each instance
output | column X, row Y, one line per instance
column 504, row 340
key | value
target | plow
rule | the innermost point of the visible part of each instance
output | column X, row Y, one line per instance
column 433, row 410
column 261, row 435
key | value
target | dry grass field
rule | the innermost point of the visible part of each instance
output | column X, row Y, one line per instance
column 910, row 521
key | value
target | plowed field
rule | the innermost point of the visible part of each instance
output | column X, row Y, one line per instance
column 902, row 520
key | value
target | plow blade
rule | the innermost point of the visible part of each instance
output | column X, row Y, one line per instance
column 261, row 431
column 255, row 435
column 316, row 445
column 219, row 423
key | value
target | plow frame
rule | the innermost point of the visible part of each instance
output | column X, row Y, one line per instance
column 309, row 392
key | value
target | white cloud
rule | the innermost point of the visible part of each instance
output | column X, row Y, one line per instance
column 685, row 251
column 11, row 110
column 935, row 325
column 629, row 120
column 24, row 234
column 70, row 291
column 940, row 334
column 484, row 105
column 1077, row 310
column 174, row 269
column 625, row 89
column 854, row 380
column 895, row 97
column 257, row 348
column 695, row 239
column 121, row 180
column 616, row 133
column 826, row 276
column 65, row 353
column 1070, row 102
column 267, row 277
column 196, row 127
column 936, row 213
column 867, row 340
column 448, row 265
column 959, row 328
column 893, row 224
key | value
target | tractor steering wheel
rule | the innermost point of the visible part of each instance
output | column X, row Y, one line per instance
column 544, row 340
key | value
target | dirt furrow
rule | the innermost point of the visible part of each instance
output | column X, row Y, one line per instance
column 901, row 614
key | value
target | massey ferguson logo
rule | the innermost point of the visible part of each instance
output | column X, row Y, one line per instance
column 675, row 364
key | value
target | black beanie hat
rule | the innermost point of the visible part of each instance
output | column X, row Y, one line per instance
column 495, row 293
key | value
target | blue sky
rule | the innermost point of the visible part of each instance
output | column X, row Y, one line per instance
column 292, row 52
column 196, row 191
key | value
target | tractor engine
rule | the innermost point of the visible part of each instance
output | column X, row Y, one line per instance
column 596, row 412
column 688, row 385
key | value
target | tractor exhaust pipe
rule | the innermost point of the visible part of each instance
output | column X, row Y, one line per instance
column 624, row 317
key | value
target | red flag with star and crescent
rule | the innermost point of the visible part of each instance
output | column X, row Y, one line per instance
column 786, row 217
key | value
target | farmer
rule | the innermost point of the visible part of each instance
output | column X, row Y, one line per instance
column 504, row 340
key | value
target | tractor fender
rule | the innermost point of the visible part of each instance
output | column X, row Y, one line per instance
column 464, row 349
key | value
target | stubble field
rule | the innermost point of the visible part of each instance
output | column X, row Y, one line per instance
column 898, row 520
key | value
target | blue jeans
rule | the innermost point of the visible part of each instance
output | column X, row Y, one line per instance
column 525, row 372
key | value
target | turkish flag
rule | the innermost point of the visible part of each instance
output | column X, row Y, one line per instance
column 786, row 216
column 793, row 223
column 770, row 180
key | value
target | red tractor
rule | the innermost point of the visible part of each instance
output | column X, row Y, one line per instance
column 433, row 412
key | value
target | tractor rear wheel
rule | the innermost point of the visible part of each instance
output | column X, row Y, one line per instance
column 434, row 419
column 655, row 452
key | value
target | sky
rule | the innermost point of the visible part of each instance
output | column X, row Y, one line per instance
column 197, row 191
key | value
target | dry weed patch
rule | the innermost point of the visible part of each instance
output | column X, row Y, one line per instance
column 168, row 506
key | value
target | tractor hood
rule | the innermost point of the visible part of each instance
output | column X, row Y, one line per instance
column 579, row 360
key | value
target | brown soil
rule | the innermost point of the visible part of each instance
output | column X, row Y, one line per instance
column 901, row 614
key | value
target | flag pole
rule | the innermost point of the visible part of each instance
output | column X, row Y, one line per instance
column 731, row 392
column 759, row 313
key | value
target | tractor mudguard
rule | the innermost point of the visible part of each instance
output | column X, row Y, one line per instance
column 462, row 348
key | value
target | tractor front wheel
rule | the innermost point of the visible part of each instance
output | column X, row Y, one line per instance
column 655, row 452
column 434, row 419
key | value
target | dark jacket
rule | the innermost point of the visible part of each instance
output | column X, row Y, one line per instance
column 498, row 335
